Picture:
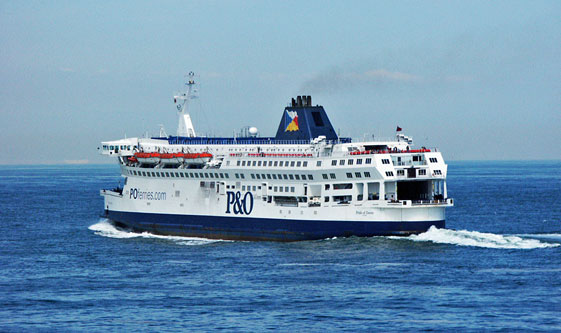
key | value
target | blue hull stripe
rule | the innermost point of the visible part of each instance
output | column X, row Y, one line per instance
column 245, row 228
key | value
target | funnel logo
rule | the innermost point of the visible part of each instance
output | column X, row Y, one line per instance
column 291, row 118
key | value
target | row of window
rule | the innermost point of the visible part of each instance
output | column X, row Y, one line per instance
column 349, row 175
column 263, row 176
column 255, row 188
column 218, row 175
column 116, row 148
column 351, row 161
column 279, row 176
column 178, row 174
column 433, row 160
column 287, row 164
column 401, row 172
column 303, row 164
column 285, row 189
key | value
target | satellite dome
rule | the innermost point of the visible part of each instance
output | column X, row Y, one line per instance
column 253, row 131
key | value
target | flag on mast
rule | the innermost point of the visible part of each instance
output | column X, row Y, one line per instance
column 398, row 129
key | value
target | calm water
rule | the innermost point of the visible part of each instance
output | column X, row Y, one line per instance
column 498, row 266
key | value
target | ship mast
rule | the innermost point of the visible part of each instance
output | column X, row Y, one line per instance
column 185, row 126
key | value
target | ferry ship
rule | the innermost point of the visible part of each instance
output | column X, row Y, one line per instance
column 304, row 183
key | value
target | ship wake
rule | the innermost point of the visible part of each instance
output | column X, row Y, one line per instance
column 107, row 229
column 481, row 239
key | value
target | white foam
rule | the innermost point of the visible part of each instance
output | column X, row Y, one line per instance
column 478, row 239
column 107, row 229
column 550, row 237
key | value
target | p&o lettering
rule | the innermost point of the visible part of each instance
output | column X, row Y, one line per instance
column 237, row 204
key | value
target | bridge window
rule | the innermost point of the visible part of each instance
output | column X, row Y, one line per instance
column 422, row 172
column 297, row 177
column 333, row 162
column 342, row 162
column 332, row 175
column 318, row 163
column 433, row 160
column 349, row 175
column 276, row 162
column 305, row 164
column 324, row 176
column 358, row 175
column 350, row 162
column 367, row 174
column 281, row 163
column 310, row 177
column 298, row 164
column 389, row 173
column 385, row 161
column 359, row 161
column 368, row 161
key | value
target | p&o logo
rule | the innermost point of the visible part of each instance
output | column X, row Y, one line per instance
column 238, row 204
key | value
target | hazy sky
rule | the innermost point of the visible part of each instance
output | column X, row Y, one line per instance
column 478, row 79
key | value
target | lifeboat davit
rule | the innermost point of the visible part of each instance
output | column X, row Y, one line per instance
column 172, row 159
column 148, row 158
column 197, row 158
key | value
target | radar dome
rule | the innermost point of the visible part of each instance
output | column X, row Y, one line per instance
column 253, row 131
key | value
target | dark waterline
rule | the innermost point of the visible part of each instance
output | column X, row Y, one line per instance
column 501, row 269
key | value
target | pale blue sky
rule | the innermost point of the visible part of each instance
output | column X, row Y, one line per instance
column 478, row 79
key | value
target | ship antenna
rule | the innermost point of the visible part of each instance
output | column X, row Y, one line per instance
column 185, row 126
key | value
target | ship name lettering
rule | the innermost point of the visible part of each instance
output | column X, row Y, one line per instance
column 237, row 204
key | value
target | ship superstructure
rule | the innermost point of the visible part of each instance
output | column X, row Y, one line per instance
column 306, row 182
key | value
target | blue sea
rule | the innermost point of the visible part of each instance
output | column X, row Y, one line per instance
column 497, row 265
